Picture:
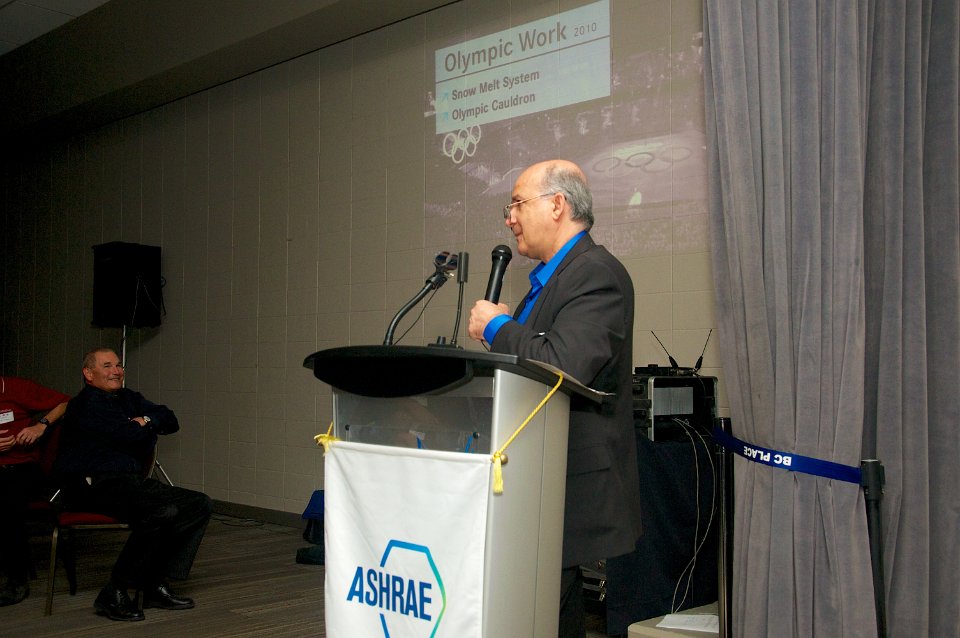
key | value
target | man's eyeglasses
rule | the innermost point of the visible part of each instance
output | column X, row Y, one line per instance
column 506, row 209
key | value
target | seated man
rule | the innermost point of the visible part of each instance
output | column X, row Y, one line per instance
column 20, row 477
column 108, row 432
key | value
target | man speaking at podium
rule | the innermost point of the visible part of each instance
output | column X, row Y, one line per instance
column 578, row 316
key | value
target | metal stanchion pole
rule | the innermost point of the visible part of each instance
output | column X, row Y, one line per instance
column 725, row 542
column 872, row 480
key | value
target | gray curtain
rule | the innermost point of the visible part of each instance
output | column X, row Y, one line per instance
column 912, row 263
column 832, row 138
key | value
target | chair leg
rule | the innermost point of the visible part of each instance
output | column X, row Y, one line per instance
column 48, row 608
column 70, row 559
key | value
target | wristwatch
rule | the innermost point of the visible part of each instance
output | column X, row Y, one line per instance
column 146, row 420
column 45, row 421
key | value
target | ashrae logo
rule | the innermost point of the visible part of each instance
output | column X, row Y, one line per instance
column 412, row 604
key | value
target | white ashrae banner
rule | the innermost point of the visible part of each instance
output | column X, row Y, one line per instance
column 405, row 533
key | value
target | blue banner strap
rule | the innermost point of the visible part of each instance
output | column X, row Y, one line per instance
column 787, row 461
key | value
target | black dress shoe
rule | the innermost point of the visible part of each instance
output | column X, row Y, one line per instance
column 13, row 593
column 115, row 604
column 160, row 597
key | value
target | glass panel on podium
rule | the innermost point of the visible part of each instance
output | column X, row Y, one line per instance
column 459, row 420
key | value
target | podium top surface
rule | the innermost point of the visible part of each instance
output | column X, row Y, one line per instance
column 400, row 371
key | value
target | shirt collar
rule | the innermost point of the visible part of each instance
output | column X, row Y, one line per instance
column 101, row 392
column 543, row 271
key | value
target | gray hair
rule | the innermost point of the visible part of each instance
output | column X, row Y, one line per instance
column 560, row 179
column 90, row 358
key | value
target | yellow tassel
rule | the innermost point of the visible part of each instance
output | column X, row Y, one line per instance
column 497, row 474
column 499, row 457
column 325, row 440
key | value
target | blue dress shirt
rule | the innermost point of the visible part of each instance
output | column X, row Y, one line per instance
column 539, row 277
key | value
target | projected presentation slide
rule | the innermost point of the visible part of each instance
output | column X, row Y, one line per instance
column 535, row 67
column 603, row 84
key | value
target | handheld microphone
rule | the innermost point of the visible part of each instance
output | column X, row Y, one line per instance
column 501, row 256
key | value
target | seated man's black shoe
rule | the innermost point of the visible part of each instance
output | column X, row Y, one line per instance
column 160, row 597
column 13, row 593
column 115, row 604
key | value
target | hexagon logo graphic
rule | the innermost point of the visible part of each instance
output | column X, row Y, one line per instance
column 406, row 590
column 413, row 596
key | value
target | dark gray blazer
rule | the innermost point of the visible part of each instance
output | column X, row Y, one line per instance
column 582, row 323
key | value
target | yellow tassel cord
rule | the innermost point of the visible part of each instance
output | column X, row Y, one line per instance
column 324, row 440
column 499, row 458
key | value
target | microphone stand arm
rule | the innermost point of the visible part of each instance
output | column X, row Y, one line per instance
column 434, row 282
column 456, row 325
column 463, row 270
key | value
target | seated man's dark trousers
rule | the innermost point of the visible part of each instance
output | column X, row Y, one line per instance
column 166, row 522
column 18, row 483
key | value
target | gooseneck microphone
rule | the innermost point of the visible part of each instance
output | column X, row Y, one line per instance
column 501, row 256
column 444, row 264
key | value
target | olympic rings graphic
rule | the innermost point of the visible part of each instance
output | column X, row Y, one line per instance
column 462, row 144
column 606, row 164
column 655, row 161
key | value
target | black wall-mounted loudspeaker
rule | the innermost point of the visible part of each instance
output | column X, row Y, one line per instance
column 127, row 285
